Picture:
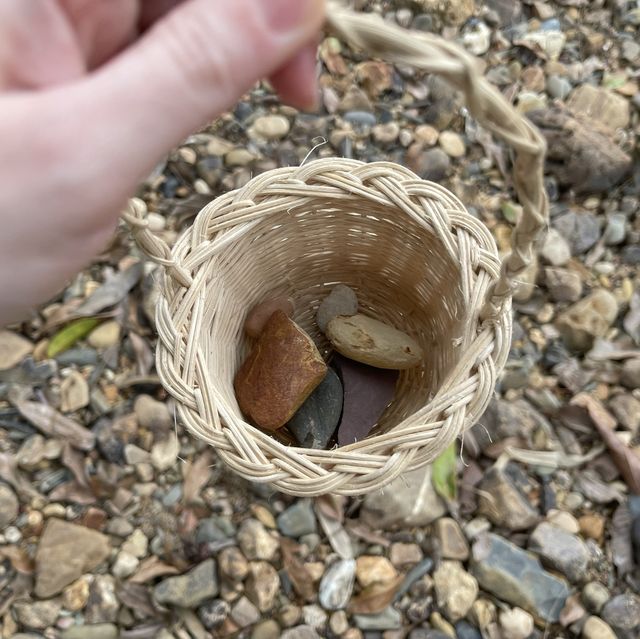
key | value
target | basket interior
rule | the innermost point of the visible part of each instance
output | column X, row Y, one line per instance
column 399, row 267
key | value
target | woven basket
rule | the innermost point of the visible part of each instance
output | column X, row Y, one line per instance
column 416, row 258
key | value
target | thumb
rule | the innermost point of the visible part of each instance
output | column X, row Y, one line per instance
column 193, row 64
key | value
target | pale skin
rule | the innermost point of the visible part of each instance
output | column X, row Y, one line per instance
column 94, row 92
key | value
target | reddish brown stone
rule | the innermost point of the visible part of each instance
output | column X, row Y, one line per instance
column 281, row 371
column 259, row 315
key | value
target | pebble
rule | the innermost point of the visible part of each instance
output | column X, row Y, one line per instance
column 270, row 127
column 9, row 506
column 74, row 392
column 592, row 526
column 298, row 520
column 13, row 349
column 626, row 408
column 581, row 230
column 409, row 500
column 386, row 133
column 630, row 373
column 516, row 624
column 336, row 584
column 564, row 520
column 93, row 631
column 595, row 596
column 191, row 589
column 372, row 342
column 426, row 134
column 279, row 374
column 259, row 314
column 233, row 564
column 595, row 628
column 263, row 585
column 503, row 503
column 268, row 629
column 432, row 164
column 560, row 550
column 622, row 613
column 587, row 319
column 152, row 414
column 499, row 566
column 452, row 542
column 555, row 249
column 315, row 422
column 64, row 553
column 456, row 589
column 602, row 105
column 213, row 613
column 558, row 87
column 452, row 144
column 215, row 528
column 464, row 630
column 76, row 595
column 105, row 335
column 124, row 565
column 477, row 38
column 164, row 454
column 103, row 605
column 403, row 555
column 563, row 285
column 256, row 542
column 244, row 613
column 371, row 569
column 615, row 231
column 388, row 619
column 342, row 300
column 300, row 632
column 550, row 41
column 37, row 615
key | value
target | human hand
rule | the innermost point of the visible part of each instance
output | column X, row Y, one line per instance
column 94, row 92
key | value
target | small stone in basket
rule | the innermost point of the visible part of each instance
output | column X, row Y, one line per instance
column 367, row 392
column 372, row 342
column 279, row 374
column 341, row 301
column 317, row 419
column 259, row 315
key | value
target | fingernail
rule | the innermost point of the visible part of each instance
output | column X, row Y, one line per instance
column 284, row 15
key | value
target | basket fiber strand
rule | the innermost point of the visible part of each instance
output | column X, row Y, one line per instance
column 416, row 258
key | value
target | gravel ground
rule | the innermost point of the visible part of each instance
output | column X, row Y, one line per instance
column 115, row 523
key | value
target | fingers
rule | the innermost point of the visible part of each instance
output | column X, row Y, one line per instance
column 190, row 66
column 296, row 81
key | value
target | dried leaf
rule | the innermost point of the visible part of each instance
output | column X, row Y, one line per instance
column 74, row 461
column 332, row 506
column 361, row 530
column 114, row 290
column 625, row 459
column 66, row 337
column 144, row 355
column 151, row 568
column 443, row 474
column 9, row 472
column 336, row 534
column 621, row 544
column 75, row 493
column 592, row 487
column 136, row 597
column 196, row 477
column 298, row 574
column 55, row 424
column 19, row 559
column 552, row 458
column 376, row 597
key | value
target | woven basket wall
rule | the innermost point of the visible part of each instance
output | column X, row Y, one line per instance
column 416, row 258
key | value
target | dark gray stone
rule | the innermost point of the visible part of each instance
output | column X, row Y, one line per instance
column 464, row 630
column 388, row 619
column 214, row 528
column 367, row 392
column 191, row 589
column 581, row 230
column 516, row 576
column 560, row 550
column 298, row 520
column 316, row 420
column 622, row 613
column 341, row 301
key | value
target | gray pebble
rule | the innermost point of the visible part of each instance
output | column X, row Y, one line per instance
column 341, row 301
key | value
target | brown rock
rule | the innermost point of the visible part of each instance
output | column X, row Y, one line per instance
column 372, row 569
column 376, row 77
column 592, row 526
column 259, row 315
column 369, row 341
column 280, row 373
column 581, row 153
column 64, row 553
column 232, row 564
column 453, row 544
column 263, row 585
column 13, row 349
column 606, row 107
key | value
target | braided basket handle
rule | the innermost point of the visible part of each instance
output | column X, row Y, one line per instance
column 433, row 54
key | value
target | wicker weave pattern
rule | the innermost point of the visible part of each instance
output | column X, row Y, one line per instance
column 415, row 256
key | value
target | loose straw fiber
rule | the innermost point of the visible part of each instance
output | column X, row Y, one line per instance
column 408, row 247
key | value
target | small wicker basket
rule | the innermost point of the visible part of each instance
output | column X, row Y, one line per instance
column 416, row 258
